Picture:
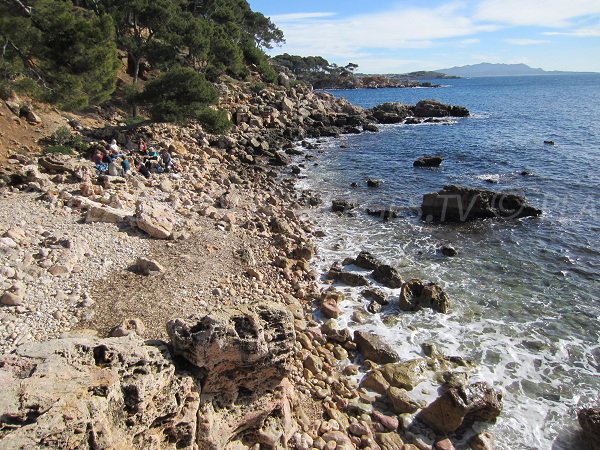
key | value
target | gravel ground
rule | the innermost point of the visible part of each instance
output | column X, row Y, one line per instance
column 54, row 259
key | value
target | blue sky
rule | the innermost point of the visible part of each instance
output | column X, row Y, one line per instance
column 386, row 36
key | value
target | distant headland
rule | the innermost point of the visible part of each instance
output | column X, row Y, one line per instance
column 500, row 70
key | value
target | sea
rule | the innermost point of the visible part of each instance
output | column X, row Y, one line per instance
column 524, row 293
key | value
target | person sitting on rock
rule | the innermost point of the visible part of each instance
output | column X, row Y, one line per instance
column 113, row 147
column 166, row 160
column 113, row 169
column 152, row 154
column 99, row 162
column 141, row 168
column 125, row 167
column 142, row 146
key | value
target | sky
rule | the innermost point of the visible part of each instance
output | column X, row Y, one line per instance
column 387, row 36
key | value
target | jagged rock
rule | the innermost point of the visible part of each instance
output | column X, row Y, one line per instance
column 228, row 200
column 401, row 401
column 329, row 304
column 96, row 393
column 127, row 327
column 155, row 219
column 367, row 261
column 59, row 163
column 461, row 406
column 405, row 374
column 589, row 420
column 428, row 161
column 377, row 295
column 460, row 204
column 415, row 295
column 242, row 349
column 147, row 266
column 370, row 127
column 33, row 118
column 374, row 348
column 433, row 108
column 343, row 205
column 390, row 112
column 390, row 441
column 349, row 278
column 388, row 276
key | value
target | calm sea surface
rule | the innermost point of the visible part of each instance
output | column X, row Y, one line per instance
column 525, row 294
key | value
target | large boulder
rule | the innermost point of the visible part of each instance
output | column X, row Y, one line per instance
column 461, row 406
column 102, row 213
column 348, row 278
column 416, row 295
column 406, row 374
column 460, row 204
column 374, row 348
column 242, row 349
column 154, row 218
column 433, row 108
column 589, row 419
column 368, row 261
column 96, row 393
column 343, row 206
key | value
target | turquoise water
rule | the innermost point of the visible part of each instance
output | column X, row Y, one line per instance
column 525, row 294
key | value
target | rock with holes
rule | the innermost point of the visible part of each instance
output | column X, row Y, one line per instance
column 244, row 350
column 95, row 393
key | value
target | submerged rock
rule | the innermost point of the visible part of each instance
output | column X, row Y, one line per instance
column 373, row 183
column 416, row 295
column 461, row 204
column 349, row 278
column 461, row 406
column 383, row 213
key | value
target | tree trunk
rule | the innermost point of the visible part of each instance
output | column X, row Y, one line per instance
column 136, row 73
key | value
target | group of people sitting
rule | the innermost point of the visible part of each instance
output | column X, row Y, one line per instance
column 145, row 160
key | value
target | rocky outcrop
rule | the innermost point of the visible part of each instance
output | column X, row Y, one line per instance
column 367, row 261
column 416, row 295
column 243, row 349
column 374, row 348
column 349, row 278
column 428, row 161
column 461, row 406
column 589, row 420
column 388, row 113
column 343, row 206
column 433, row 108
column 461, row 204
column 96, row 393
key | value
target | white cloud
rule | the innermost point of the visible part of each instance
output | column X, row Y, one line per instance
column 527, row 41
column 580, row 32
column 554, row 13
column 401, row 28
column 281, row 18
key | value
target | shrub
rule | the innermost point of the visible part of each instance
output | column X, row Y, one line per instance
column 178, row 95
column 63, row 149
column 215, row 121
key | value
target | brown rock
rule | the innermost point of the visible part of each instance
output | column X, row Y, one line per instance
column 148, row 266
column 589, row 419
column 374, row 381
column 127, row 327
column 462, row 406
column 483, row 441
column 444, row 444
column 405, row 374
column 389, row 441
column 374, row 348
column 401, row 401
column 416, row 295
column 388, row 276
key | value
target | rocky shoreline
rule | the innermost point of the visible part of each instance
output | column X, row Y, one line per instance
column 204, row 279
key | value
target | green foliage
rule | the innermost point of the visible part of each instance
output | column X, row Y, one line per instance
column 69, row 53
column 178, row 95
column 64, row 141
column 63, row 149
column 134, row 121
column 214, row 121
column 317, row 71
column 5, row 90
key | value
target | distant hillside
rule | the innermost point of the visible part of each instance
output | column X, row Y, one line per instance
column 498, row 70
column 428, row 75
